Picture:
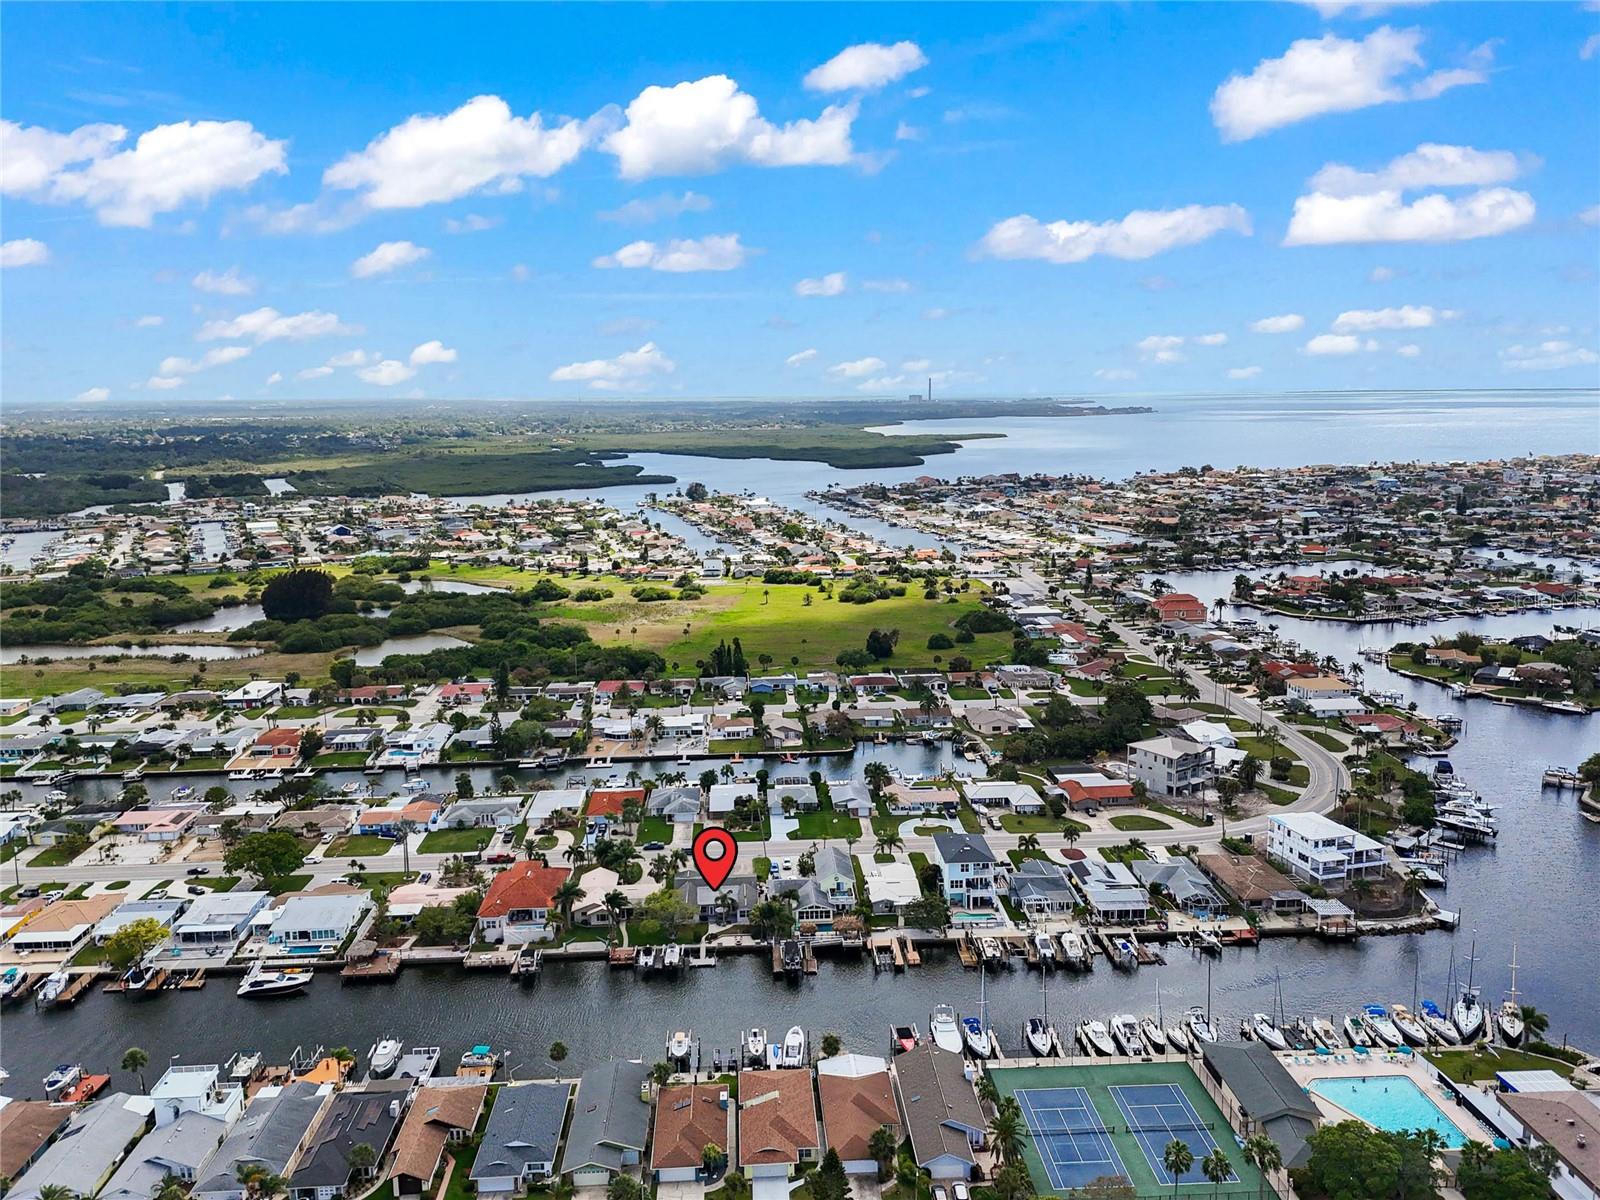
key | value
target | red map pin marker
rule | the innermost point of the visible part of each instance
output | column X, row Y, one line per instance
column 715, row 852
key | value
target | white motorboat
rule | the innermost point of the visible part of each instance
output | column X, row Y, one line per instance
column 945, row 1029
column 1039, row 1037
column 1326, row 1033
column 1382, row 1028
column 1356, row 1031
column 1199, row 1026
column 1074, row 950
column 50, row 990
column 1046, row 948
column 182, row 792
column 1125, row 1031
column 384, row 1057
column 678, row 1046
column 60, row 1079
column 1123, row 954
column 671, row 957
column 1411, row 1028
column 976, row 1037
column 1208, row 942
column 1439, row 1026
column 261, row 984
column 57, row 797
column 1095, row 1038
column 647, row 958
column 755, row 1045
column 794, row 1047
column 1263, row 1029
column 1155, row 1038
column 11, row 979
column 480, row 1058
column 1178, row 1038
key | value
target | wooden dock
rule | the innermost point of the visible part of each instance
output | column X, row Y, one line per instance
column 489, row 960
column 193, row 981
column 887, row 952
column 623, row 956
column 968, row 953
column 913, row 956
column 75, row 989
column 384, row 964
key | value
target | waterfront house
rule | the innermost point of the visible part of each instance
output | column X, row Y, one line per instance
column 26, row 1128
column 1091, row 789
column 82, row 1159
column 316, row 822
column 891, row 885
column 519, row 1144
column 158, row 823
column 62, row 928
column 1041, row 888
column 857, row 1100
column 723, row 798
column 1321, row 850
column 789, row 794
column 729, row 904
column 516, row 908
column 176, row 1150
column 851, row 796
column 365, row 1117
column 810, row 903
column 439, row 1118
column 274, row 1130
column 610, row 1123
column 1018, row 797
column 1184, row 882
column 689, row 1117
column 81, row 698
column 318, row 921
column 835, row 874
column 218, row 921
column 1110, row 889
column 1318, row 687
column 1252, row 881
column 1179, row 606
column 998, row 722
column 198, row 1089
column 966, row 869
column 939, row 1110
column 258, row 693
column 390, row 822
column 1264, row 1097
column 678, row 804
column 1567, row 1121
column 907, row 801
column 1170, row 766
column 493, row 812
column 777, row 1128
column 609, row 802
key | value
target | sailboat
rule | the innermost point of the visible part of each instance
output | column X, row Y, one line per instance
column 975, row 1030
column 1439, row 1025
column 1040, row 1037
column 1468, row 1012
column 1409, row 1026
column 1266, row 1032
column 1199, row 1027
column 1512, row 1026
column 1379, row 1025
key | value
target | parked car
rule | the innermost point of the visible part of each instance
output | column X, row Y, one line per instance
column 960, row 1192
column 654, row 846
column 500, row 856
column 198, row 871
column 196, row 890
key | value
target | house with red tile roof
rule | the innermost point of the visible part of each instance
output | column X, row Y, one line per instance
column 1180, row 606
column 518, row 905
column 608, row 802
column 777, row 1123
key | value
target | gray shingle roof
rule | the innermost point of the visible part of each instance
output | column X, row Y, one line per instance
column 1267, row 1093
column 607, row 1116
column 268, row 1133
column 524, row 1127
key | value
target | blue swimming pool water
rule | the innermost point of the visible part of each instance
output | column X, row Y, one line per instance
column 1392, row 1103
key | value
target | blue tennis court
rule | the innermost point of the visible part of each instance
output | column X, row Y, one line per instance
column 1069, row 1136
column 1157, row 1114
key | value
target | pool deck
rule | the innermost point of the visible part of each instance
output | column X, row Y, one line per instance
column 1307, row 1067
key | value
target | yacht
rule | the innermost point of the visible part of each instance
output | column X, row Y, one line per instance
column 259, row 983
column 794, row 1047
column 1261, row 1027
column 903, row 1038
column 1199, row 1026
column 1154, row 1037
column 60, row 1079
column 1039, row 1039
column 383, row 1058
column 1376, row 1019
column 1468, row 1015
column 976, row 1037
column 945, row 1029
column 678, row 1046
column 1410, row 1027
column 1437, row 1024
column 755, row 1045
column 1356, row 1031
column 1125, row 1029
column 1095, row 1038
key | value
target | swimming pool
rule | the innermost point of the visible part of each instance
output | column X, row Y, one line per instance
column 1392, row 1103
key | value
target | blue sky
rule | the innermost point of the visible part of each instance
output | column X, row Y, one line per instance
column 305, row 201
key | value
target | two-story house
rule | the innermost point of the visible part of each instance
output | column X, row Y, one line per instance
column 517, row 907
column 1170, row 766
column 967, row 869
column 1322, row 851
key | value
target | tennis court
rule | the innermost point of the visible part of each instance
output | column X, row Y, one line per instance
column 1068, row 1136
column 1158, row 1114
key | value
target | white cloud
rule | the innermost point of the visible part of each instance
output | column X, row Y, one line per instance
column 1429, row 165
column 480, row 147
column 1286, row 323
column 1590, row 47
column 268, row 325
column 225, row 283
column 1140, row 234
column 831, row 284
column 275, row 378
column 1161, row 348
column 800, row 356
column 521, row 273
column 1211, row 339
column 700, row 126
column 865, row 67
column 856, row 368
column 1338, row 343
column 387, row 257
column 905, row 132
column 149, row 321
column 386, row 373
column 169, row 166
column 715, row 252
column 1115, row 373
column 937, row 314
column 1333, row 74
column 94, row 395
column 919, row 365
column 1364, row 9
column 628, row 371
column 1243, row 372
column 221, row 356
column 892, row 286
column 1321, row 220
column 24, row 252
column 314, row 373
column 881, row 383
column 1547, row 356
column 1381, row 274
column 162, row 383
column 351, row 358
column 1407, row 316
column 432, row 352
column 669, row 204
column 1409, row 350
column 471, row 223
column 1590, row 216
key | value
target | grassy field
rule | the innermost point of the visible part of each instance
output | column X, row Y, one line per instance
column 455, row 841
column 66, row 675
column 359, row 845
column 1137, row 823
column 825, row 823
column 1472, row 1066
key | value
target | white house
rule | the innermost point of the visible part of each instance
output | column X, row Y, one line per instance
column 1170, row 766
column 1018, row 797
column 1322, row 851
column 256, row 694
column 967, row 869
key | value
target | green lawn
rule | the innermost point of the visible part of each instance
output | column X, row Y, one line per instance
column 297, row 712
column 1028, row 823
column 825, row 823
column 359, row 845
column 1137, row 823
column 341, row 758
column 455, row 841
column 1473, row 1066
column 1177, row 814
column 654, row 829
column 1277, row 795
column 54, row 856
column 217, row 883
column 286, row 883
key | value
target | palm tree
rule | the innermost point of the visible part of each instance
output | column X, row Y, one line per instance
column 575, row 853
column 1005, row 1128
column 1216, row 1167
column 259, row 1183
column 362, row 1157
column 888, row 843
column 882, row 1147
column 987, row 1091
column 1535, row 1022
column 660, row 1073
column 615, row 902
column 568, row 894
column 878, row 777
column 170, row 1188
column 1027, row 842
column 57, row 1191
column 1177, row 1158
column 1263, row 1154
column 134, row 1061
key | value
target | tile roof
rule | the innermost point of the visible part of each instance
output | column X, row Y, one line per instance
column 854, row 1107
column 777, row 1116
column 523, row 885
column 435, row 1113
column 689, row 1118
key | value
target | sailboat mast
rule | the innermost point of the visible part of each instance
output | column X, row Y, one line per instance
column 1513, row 993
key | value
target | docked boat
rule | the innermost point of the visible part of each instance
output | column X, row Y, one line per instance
column 1178, row 1038
column 944, row 1029
column 1512, row 1025
column 182, row 792
column 261, row 984
column 1154, row 1037
column 1096, row 1038
column 794, row 1047
column 990, row 949
column 1439, row 1026
column 1046, row 948
column 671, row 957
column 1378, row 1023
column 774, row 1057
column 50, row 990
column 1410, row 1027
column 1356, row 1031
column 1468, row 1014
column 60, row 1079
column 1123, row 955
column 1125, row 1031
column 1207, row 942
column 480, row 1059
column 678, row 1046
column 1039, row 1039
column 11, row 981
column 755, row 1045
column 1262, row 1028
column 1199, row 1026
column 903, row 1038
column 1074, row 950
column 1298, row 1034
column 136, row 980
column 647, row 958
column 384, row 1057
column 976, row 1037
column 1326, row 1034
